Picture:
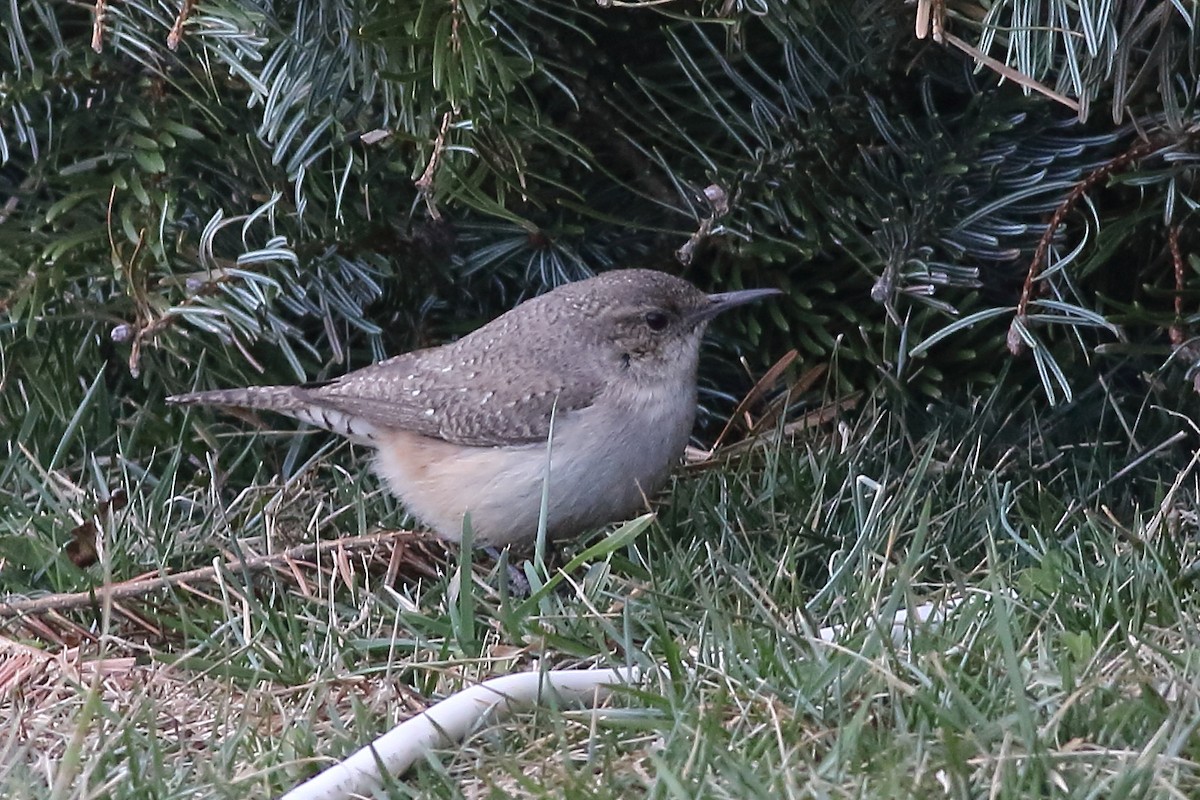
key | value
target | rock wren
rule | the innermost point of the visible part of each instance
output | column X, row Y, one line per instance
column 463, row 429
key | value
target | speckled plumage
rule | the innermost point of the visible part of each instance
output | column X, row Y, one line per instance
column 462, row 428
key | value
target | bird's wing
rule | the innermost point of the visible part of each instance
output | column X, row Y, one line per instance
column 432, row 393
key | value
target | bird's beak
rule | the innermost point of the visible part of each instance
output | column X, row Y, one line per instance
column 727, row 300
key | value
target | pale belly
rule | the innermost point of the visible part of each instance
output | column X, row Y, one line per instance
column 605, row 462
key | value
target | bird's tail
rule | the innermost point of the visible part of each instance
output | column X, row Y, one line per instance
column 293, row 401
column 269, row 398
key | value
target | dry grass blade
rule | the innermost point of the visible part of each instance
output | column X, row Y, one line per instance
column 769, row 379
column 1013, row 75
column 23, row 668
column 779, row 406
column 696, row 459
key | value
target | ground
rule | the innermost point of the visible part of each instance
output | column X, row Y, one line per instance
column 1066, row 663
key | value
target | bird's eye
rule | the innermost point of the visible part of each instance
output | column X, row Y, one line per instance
column 656, row 320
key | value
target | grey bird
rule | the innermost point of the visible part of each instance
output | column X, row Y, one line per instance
column 601, row 372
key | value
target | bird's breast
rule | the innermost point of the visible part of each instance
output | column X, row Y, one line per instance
column 626, row 442
column 605, row 461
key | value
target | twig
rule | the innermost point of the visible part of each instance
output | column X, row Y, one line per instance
column 425, row 182
column 98, row 26
column 718, row 203
column 1176, row 331
column 177, row 29
column 136, row 587
column 1016, row 344
column 931, row 18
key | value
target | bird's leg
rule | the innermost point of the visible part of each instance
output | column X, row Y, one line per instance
column 518, row 584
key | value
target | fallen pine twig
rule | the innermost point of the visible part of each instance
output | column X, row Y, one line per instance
column 137, row 587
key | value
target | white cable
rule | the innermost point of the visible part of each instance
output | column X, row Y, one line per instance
column 451, row 720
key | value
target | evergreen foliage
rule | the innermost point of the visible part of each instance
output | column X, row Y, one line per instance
column 299, row 178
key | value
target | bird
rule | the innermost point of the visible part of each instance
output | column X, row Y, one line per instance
column 595, row 379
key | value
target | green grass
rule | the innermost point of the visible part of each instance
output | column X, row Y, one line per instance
column 1069, row 668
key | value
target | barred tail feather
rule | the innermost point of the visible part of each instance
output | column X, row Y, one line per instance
column 270, row 398
column 293, row 401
